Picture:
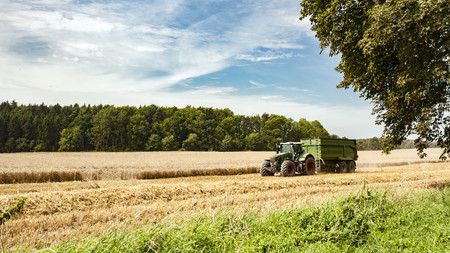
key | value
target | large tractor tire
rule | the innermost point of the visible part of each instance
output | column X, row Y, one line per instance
column 341, row 167
column 351, row 166
column 288, row 168
column 265, row 169
column 310, row 166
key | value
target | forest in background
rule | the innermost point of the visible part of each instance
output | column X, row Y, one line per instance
column 374, row 143
column 28, row 128
column 25, row 128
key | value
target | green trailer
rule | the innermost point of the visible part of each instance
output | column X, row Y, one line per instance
column 311, row 155
column 332, row 155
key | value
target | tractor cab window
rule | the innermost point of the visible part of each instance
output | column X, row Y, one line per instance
column 297, row 150
column 286, row 149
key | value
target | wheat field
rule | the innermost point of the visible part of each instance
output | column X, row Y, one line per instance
column 60, row 211
column 59, row 167
column 128, row 165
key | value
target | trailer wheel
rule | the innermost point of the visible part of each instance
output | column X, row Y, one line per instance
column 351, row 166
column 310, row 166
column 264, row 169
column 341, row 167
column 288, row 168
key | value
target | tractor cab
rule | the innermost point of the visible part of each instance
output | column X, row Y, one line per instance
column 294, row 149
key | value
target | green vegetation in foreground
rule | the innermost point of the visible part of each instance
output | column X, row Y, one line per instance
column 368, row 222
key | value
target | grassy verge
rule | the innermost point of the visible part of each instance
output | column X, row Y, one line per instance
column 371, row 221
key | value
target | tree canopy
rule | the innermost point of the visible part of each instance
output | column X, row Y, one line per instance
column 25, row 128
column 396, row 54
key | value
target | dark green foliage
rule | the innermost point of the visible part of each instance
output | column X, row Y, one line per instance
column 192, row 143
column 313, row 129
column 3, row 132
column 169, row 143
column 108, row 128
column 230, row 144
column 8, row 214
column 255, row 142
column 365, row 222
column 396, row 54
column 71, row 139
column 153, row 143
column 23, row 145
column 374, row 144
column 138, row 130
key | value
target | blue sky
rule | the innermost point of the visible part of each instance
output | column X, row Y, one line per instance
column 253, row 57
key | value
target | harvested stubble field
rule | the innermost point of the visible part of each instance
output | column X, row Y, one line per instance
column 59, row 211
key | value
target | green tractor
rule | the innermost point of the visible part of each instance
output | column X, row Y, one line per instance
column 289, row 159
column 311, row 155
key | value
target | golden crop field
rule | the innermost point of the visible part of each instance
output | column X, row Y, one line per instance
column 59, row 211
column 38, row 167
column 131, row 165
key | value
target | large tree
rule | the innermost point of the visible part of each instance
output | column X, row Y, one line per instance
column 396, row 54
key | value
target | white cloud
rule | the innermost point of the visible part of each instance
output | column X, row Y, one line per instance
column 81, row 48
column 132, row 52
column 256, row 84
column 156, row 30
column 283, row 45
column 211, row 91
column 291, row 88
column 36, row 21
column 112, row 40
column 264, row 56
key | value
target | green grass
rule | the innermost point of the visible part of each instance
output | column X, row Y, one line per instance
column 372, row 221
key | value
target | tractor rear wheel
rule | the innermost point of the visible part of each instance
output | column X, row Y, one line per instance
column 310, row 166
column 265, row 169
column 288, row 168
column 341, row 167
column 351, row 166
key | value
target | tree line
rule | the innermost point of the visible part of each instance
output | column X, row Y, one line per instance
column 25, row 128
column 375, row 143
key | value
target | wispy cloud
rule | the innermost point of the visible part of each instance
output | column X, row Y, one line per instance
column 292, row 88
column 111, row 39
column 136, row 51
column 260, row 56
column 256, row 84
column 208, row 91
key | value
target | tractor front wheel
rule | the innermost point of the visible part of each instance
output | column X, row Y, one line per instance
column 310, row 166
column 265, row 169
column 288, row 168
